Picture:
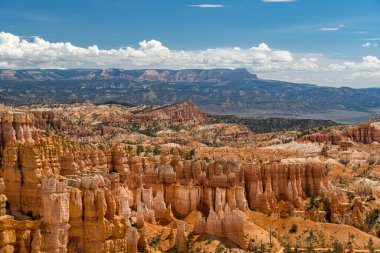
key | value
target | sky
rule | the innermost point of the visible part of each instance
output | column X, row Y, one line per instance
column 325, row 42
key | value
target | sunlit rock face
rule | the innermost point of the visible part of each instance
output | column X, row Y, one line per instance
column 366, row 133
column 16, row 127
column 58, row 194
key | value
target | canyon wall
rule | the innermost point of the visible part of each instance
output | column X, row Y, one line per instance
column 56, row 196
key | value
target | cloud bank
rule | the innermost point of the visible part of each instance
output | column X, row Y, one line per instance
column 16, row 53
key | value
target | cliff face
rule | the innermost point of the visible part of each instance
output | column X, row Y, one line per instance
column 58, row 196
column 85, row 195
column 16, row 127
column 366, row 133
column 185, row 111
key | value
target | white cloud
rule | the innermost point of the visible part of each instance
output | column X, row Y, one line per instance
column 278, row 1
column 207, row 5
column 369, row 44
column 17, row 53
column 329, row 29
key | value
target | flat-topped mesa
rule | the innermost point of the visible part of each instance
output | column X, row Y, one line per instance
column 16, row 127
column 180, row 112
column 194, row 75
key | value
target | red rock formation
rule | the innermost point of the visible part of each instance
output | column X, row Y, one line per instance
column 185, row 111
column 82, row 198
column 366, row 133
column 230, row 225
column 16, row 127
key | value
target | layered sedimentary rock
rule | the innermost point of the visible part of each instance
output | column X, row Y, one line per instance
column 366, row 133
column 46, row 119
column 181, row 239
column 16, row 127
column 178, row 112
column 354, row 218
column 56, row 214
column 60, row 196
column 228, row 225
column 287, row 180
column 85, row 195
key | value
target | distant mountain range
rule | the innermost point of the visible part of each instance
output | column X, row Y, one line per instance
column 145, row 75
column 218, row 91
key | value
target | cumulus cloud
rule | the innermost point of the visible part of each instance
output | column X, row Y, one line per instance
column 39, row 53
column 17, row 52
column 368, row 63
column 207, row 5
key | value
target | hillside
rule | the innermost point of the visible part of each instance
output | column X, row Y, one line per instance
column 273, row 124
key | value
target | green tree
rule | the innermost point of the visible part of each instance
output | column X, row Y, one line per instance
column 157, row 150
column 326, row 207
column 350, row 196
column 311, row 240
column 148, row 150
column 220, row 248
column 139, row 149
column 189, row 155
column 371, row 218
column 294, row 229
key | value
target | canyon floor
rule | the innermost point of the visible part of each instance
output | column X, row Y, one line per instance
column 120, row 178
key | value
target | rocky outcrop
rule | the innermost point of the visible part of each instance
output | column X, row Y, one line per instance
column 229, row 225
column 46, row 119
column 286, row 180
column 16, row 127
column 185, row 111
column 86, row 196
column 60, row 196
column 354, row 218
column 56, row 215
column 181, row 239
column 366, row 133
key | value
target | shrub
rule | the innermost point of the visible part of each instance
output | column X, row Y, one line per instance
column 139, row 149
column 294, row 229
column 157, row 151
column 371, row 218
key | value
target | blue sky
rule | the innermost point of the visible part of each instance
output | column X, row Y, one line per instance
column 333, row 31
